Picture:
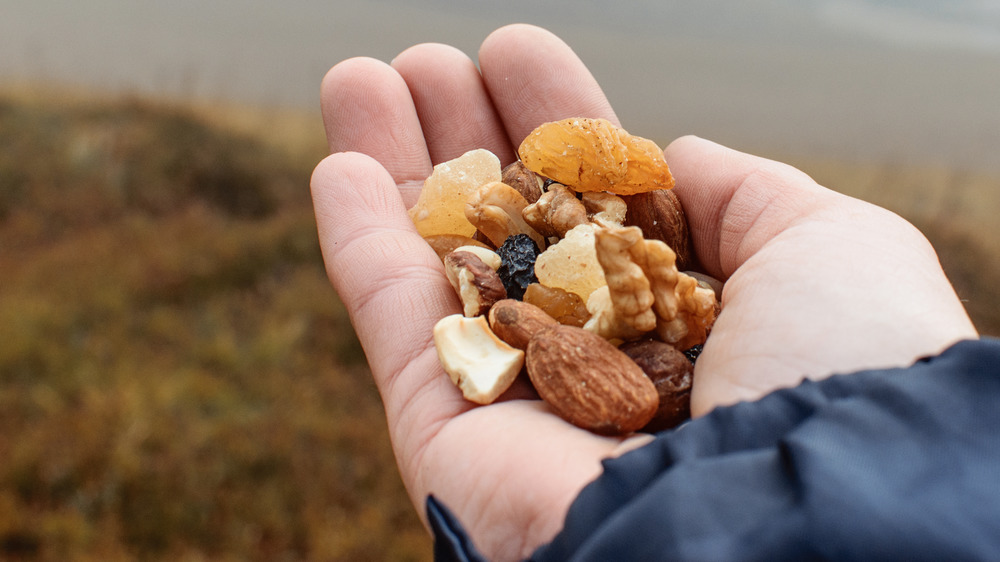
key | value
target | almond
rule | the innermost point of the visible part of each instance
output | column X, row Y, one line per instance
column 589, row 382
column 515, row 322
column 660, row 216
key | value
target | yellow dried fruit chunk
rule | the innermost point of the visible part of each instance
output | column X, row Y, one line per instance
column 566, row 307
column 595, row 155
column 441, row 206
column 571, row 263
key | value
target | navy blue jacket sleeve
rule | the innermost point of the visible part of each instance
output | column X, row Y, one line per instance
column 897, row 464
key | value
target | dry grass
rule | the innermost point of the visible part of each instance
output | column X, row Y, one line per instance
column 177, row 379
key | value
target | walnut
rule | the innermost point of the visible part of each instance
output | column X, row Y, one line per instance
column 495, row 210
column 604, row 321
column 556, row 212
column 621, row 253
column 647, row 292
column 488, row 256
column 697, row 309
column 604, row 207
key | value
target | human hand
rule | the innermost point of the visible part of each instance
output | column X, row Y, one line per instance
column 816, row 283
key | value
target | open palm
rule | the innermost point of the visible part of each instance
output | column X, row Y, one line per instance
column 816, row 283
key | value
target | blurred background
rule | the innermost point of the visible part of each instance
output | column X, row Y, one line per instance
column 177, row 379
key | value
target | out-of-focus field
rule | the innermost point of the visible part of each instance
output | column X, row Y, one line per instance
column 178, row 381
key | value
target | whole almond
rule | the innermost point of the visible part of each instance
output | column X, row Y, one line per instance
column 672, row 373
column 515, row 322
column 660, row 216
column 589, row 382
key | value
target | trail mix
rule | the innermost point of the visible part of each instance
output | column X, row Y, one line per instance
column 571, row 265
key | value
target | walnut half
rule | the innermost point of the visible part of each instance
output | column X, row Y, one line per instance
column 646, row 291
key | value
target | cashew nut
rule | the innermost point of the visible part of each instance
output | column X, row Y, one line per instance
column 495, row 210
column 478, row 363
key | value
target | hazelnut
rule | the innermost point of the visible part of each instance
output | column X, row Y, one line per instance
column 672, row 374
column 526, row 182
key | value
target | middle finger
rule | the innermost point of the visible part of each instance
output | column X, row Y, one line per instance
column 455, row 111
column 533, row 77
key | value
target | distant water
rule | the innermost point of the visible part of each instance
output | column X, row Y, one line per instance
column 889, row 80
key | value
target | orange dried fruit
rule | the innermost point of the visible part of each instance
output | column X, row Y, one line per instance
column 566, row 307
column 595, row 155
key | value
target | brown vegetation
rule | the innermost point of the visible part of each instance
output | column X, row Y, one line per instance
column 177, row 378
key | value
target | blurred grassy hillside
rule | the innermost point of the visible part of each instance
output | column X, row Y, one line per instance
column 177, row 379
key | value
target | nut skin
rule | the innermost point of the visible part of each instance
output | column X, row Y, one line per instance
column 672, row 373
column 526, row 182
column 589, row 382
column 515, row 322
column 477, row 284
column 660, row 216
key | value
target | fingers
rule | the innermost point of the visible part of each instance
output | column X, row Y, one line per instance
column 455, row 109
column 367, row 108
column 432, row 104
column 394, row 289
column 735, row 202
column 534, row 77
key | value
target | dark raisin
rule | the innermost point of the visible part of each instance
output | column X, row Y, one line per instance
column 693, row 353
column 517, row 269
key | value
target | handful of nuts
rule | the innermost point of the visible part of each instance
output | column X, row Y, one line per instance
column 569, row 264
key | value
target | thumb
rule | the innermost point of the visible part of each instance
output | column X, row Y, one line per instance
column 736, row 202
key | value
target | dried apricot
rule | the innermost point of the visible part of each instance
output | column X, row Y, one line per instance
column 595, row 155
